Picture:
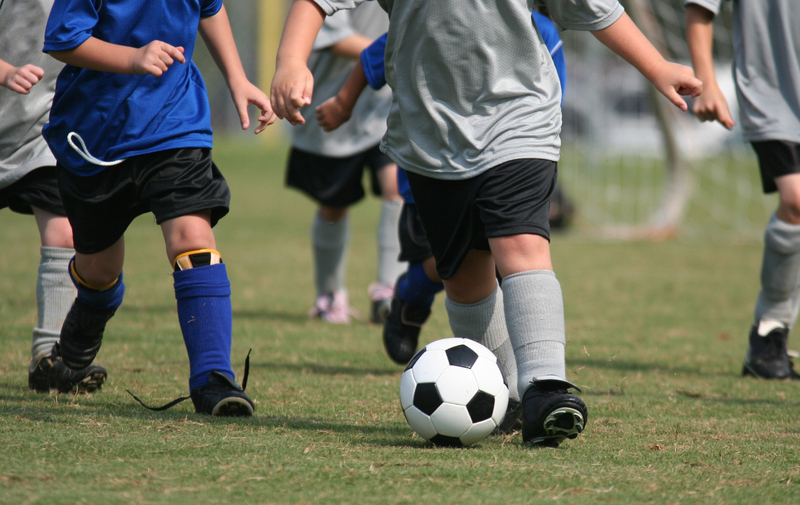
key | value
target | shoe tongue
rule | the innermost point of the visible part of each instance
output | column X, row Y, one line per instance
column 767, row 326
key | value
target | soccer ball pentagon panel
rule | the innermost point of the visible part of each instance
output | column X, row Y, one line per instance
column 453, row 393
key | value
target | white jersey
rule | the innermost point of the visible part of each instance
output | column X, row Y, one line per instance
column 367, row 124
column 766, row 66
column 22, row 147
column 473, row 84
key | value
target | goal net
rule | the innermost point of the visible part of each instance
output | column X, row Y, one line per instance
column 636, row 166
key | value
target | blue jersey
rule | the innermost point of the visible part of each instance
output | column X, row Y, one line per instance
column 119, row 115
column 372, row 60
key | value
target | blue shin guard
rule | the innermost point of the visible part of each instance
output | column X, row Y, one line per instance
column 416, row 288
column 204, row 310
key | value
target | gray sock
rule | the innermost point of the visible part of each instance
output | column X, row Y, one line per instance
column 779, row 297
column 485, row 323
column 54, row 296
column 330, row 253
column 389, row 268
column 535, row 318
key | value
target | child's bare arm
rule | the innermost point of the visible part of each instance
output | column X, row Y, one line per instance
column 711, row 105
column 335, row 111
column 95, row 54
column 293, row 84
column 671, row 79
column 351, row 47
column 19, row 79
column 217, row 34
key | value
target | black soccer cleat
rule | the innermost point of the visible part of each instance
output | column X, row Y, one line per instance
column 82, row 334
column 512, row 422
column 221, row 397
column 767, row 356
column 51, row 373
column 401, row 329
column 550, row 415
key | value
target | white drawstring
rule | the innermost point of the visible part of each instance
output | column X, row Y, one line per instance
column 85, row 152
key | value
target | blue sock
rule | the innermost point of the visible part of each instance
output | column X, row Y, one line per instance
column 204, row 311
column 416, row 288
column 101, row 299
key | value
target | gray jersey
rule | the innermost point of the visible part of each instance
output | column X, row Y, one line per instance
column 473, row 83
column 766, row 67
column 368, row 122
column 22, row 147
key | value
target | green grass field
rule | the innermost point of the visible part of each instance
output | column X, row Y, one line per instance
column 656, row 335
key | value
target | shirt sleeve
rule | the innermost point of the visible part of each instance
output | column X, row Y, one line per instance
column 70, row 24
column 372, row 60
column 209, row 8
column 583, row 15
column 331, row 6
column 712, row 5
column 335, row 29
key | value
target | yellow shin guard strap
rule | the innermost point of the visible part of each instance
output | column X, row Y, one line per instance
column 199, row 258
column 85, row 284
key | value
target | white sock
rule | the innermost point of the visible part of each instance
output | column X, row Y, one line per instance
column 485, row 323
column 779, row 297
column 54, row 296
column 329, row 242
column 389, row 268
column 534, row 310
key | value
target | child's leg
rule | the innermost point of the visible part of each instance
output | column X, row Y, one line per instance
column 329, row 237
column 484, row 320
column 389, row 268
column 203, row 293
column 779, row 298
column 534, row 306
column 54, row 290
column 98, row 278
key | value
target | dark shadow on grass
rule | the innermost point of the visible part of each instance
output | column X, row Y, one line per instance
column 643, row 366
column 322, row 369
column 265, row 315
column 268, row 315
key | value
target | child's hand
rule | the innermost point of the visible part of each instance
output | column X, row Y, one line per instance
column 292, row 88
column 21, row 79
column 155, row 58
column 332, row 114
column 246, row 94
column 674, row 80
column 712, row 106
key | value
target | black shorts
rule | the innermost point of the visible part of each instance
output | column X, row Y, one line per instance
column 335, row 182
column 510, row 199
column 169, row 184
column 776, row 158
column 414, row 245
column 38, row 188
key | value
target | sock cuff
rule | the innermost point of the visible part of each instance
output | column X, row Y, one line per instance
column 528, row 273
column 391, row 203
column 56, row 253
column 211, row 280
column 487, row 302
column 329, row 235
column 782, row 237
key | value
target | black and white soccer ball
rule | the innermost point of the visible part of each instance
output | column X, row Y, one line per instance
column 453, row 392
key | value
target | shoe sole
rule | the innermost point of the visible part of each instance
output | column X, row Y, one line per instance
column 749, row 371
column 89, row 384
column 562, row 423
column 232, row 407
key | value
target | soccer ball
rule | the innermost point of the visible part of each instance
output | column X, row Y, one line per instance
column 453, row 392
